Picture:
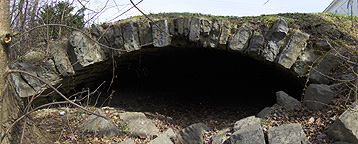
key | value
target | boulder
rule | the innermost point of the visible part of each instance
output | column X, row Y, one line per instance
column 139, row 125
column 164, row 138
column 193, row 134
column 277, row 34
column 286, row 101
column 84, row 50
column 98, row 124
column 293, row 48
column 160, row 32
column 247, row 130
column 240, row 40
column 345, row 127
column 317, row 95
column 287, row 134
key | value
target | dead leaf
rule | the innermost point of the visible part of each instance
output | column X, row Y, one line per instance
column 311, row 120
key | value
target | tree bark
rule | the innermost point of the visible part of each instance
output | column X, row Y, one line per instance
column 33, row 12
column 11, row 105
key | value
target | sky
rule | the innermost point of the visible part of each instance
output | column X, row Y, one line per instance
column 113, row 8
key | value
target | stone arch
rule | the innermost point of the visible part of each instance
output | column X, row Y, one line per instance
column 278, row 45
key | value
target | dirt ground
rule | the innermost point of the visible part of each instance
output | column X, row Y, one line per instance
column 177, row 115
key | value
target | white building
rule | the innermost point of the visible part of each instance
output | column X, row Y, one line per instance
column 343, row 7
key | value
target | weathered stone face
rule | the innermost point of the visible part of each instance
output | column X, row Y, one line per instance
column 241, row 39
column 293, row 48
column 62, row 62
column 345, row 127
column 317, row 96
column 161, row 36
column 84, row 50
column 130, row 36
column 278, row 33
column 256, row 42
column 38, row 64
column 194, row 33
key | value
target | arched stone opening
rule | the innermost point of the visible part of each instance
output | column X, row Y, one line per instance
column 199, row 77
column 204, row 64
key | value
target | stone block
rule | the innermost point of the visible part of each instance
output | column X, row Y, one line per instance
column 323, row 67
column 304, row 61
column 193, row 134
column 139, row 125
column 22, row 88
column 205, row 30
column 215, row 33
column 317, row 95
column 247, row 130
column 98, row 124
column 145, row 33
column 277, row 34
column 59, row 52
column 164, row 138
column 84, row 50
column 287, row 134
column 286, row 101
column 345, row 127
column 241, row 38
column 222, row 136
column 256, row 43
column 130, row 36
column 160, row 32
column 290, row 53
column 194, row 33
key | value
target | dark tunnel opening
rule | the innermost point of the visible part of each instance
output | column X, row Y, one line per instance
column 198, row 84
column 203, row 75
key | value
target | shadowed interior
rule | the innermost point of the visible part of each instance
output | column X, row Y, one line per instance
column 203, row 75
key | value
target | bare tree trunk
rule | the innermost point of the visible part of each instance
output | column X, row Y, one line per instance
column 7, row 113
column 33, row 12
column 12, row 12
column 24, row 16
column 19, row 13
column 10, row 103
